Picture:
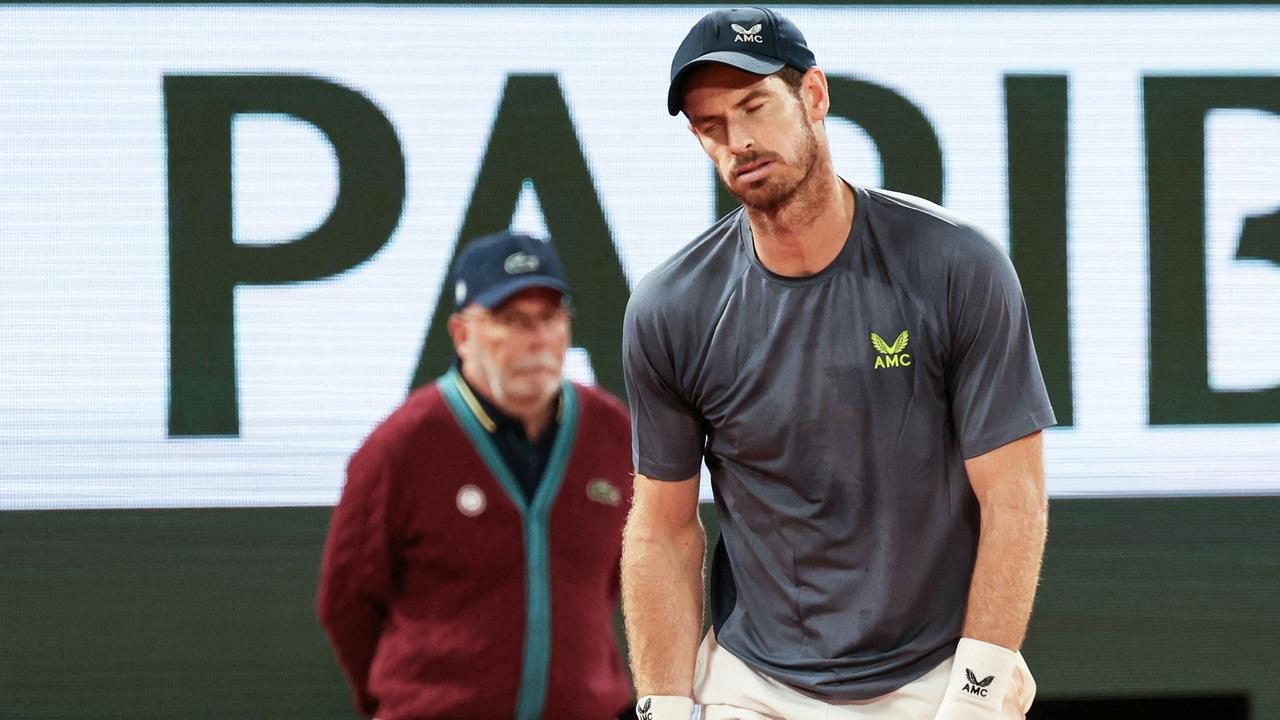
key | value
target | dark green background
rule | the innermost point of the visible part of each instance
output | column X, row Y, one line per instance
column 209, row 613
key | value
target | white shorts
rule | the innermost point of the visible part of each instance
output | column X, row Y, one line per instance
column 727, row 689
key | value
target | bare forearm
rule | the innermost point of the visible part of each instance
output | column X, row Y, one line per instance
column 1010, row 548
column 662, row 605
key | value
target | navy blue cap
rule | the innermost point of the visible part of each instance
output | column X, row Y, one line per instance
column 495, row 267
column 757, row 40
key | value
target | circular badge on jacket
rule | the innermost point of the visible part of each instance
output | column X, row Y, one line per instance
column 471, row 500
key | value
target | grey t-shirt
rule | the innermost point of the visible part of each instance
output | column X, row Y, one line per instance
column 835, row 412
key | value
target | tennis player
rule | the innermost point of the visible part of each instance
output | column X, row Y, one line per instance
column 856, row 369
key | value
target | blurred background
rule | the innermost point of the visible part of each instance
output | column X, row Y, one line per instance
column 225, row 232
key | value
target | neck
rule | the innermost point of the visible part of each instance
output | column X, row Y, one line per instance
column 805, row 233
column 536, row 420
column 534, row 416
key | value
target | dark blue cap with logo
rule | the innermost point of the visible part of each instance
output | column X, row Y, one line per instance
column 757, row 40
column 495, row 267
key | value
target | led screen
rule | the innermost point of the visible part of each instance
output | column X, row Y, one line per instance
column 227, row 230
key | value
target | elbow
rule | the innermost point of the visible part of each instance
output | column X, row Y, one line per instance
column 639, row 539
column 1030, row 508
column 641, row 530
column 649, row 547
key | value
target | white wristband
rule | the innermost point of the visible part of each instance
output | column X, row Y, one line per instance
column 981, row 674
column 664, row 707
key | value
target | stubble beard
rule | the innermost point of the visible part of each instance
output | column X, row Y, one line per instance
column 518, row 387
column 770, row 195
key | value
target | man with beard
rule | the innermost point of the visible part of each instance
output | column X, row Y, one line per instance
column 856, row 370
column 471, row 569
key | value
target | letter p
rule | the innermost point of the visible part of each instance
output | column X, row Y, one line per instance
column 206, row 263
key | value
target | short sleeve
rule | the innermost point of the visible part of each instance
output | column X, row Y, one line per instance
column 667, row 435
column 994, row 382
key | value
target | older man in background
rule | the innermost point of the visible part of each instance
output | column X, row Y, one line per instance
column 471, row 569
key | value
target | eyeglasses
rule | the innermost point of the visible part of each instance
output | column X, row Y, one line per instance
column 512, row 321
